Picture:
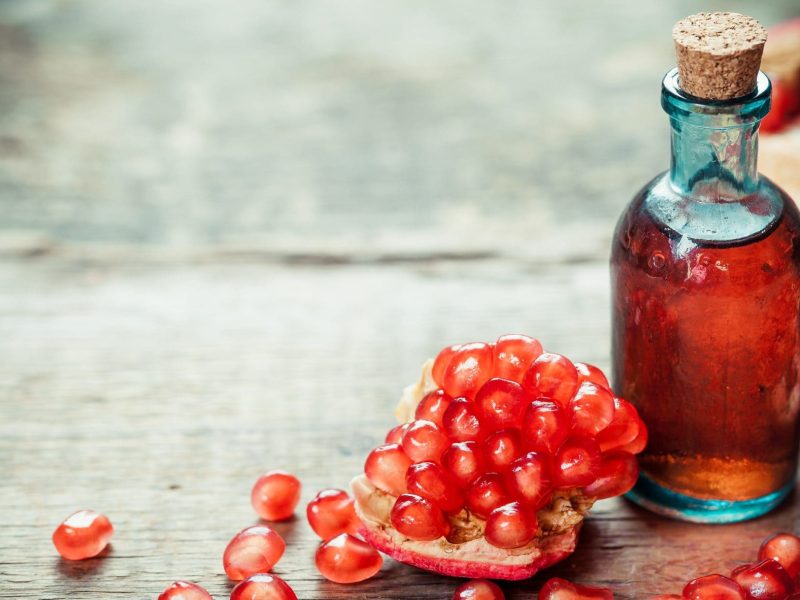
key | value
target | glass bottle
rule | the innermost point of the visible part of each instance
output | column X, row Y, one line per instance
column 706, row 337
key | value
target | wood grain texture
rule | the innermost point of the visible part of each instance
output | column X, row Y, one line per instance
column 229, row 237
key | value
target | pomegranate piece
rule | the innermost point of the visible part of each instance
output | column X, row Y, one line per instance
column 386, row 468
column 781, row 106
column 784, row 548
column 253, row 550
column 561, row 589
column 469, row 368
column 263, row 586
column 529, row 480
column 275, row 495
column 767, row 580
column 487, row 493
column 83, row 534
column 464, row 461
column 513, row 355
column 622, row 430
column 545, row 426
column 442, row 362
column 640, row 441
column 432, row 407
column 395, row 434
column 460, row 422
column 511, row 526
column 418, row 518
column 577, row 463
column 616, row 475
column 478, row 589
column 587, row 372
column 332, row 512
column 423, row 440
column 713, row 587
column 501, row 449
column 347, row 559
column 183, row 590
column 592, row 409
column 500, row 404
column 429, row 480
column 552, row 376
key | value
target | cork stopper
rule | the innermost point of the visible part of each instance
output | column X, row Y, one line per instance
column 719, row 54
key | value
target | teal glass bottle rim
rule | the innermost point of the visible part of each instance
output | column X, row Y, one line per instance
column 715, row 114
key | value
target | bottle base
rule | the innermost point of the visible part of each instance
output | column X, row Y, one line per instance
column 663, row 501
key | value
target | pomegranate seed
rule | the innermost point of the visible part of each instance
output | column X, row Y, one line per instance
column 478, row 589
column 529, row 480
column 423, row 440
column 592, row 409
column 713, row 587
column 545, row 426
column 469, row 369
column 767, row 580
column 395, row 435
column 83, row 534
column 183, row 590
column 513, row 354
column 577, row 462
column 464, row 461
column 500, row 404
column 622, row 430
column 347, row 559
column 587, row 372
column 386, row 468
column 640, row 441
column 561, row 589
column 418, row 518
column 501, row 449
column 441, row 363
column 275, row 495
column 511, row 526
column 487, row 493
column 461, row 423
column 263, row 586
column 785, row 548
column 616, row 475
column 552, row 376
column 432, row 407
column 429, row 480
column 332, row 512
column 253, row 550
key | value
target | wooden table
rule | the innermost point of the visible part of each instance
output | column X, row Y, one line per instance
column 231, row 235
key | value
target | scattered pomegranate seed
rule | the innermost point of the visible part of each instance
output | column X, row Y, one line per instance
column 501, row 449
column 418, row 518
column 623, row 429
column 432, row 407
column 785, row 548
column 386, row 468
column 529, row 480
column 469, row 368
column 263, row 586
column 429, row 480
column 513, row 355
column 552, row 376
column 442, row 362
column 275, row 495
column 767, row 580
column 253, row 550
column 487, row 493
column 587, row 372
column 592, row 409
column 577, row 462
column 500, row 404
column 395, row 435
column 183, row 590
column 460, row 422
column 478, row 589
column 332, row 512
column 464, row 461
column 561, row 589
column 545, row 427
column 511, row 526
column 83, row 534
column 616, row 475
column 713, row 587
column 423, row 440
column 347, row 559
